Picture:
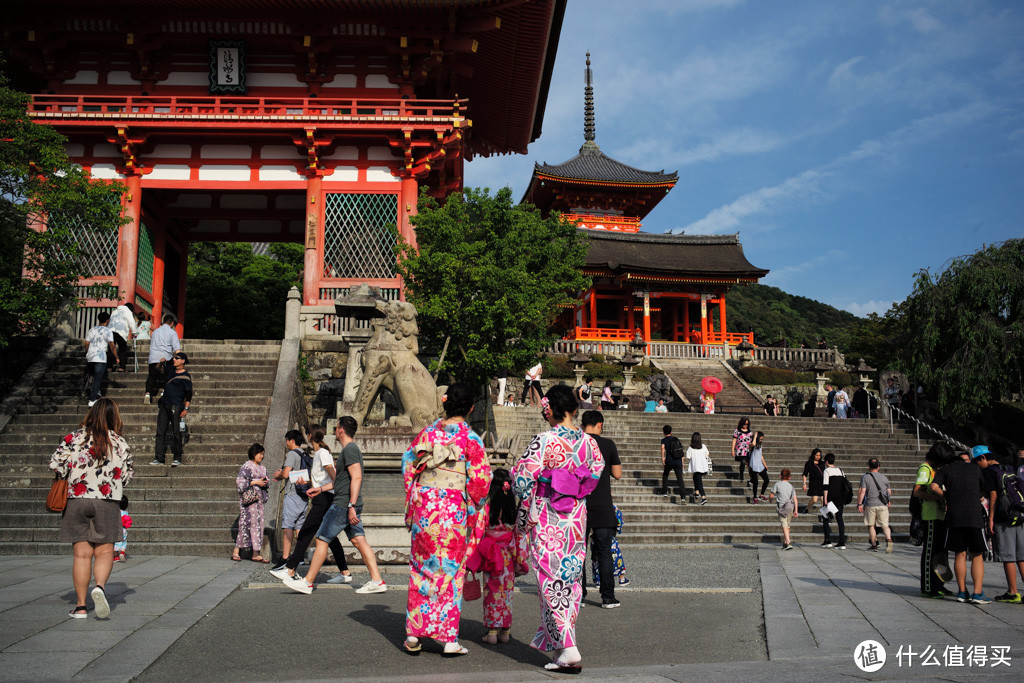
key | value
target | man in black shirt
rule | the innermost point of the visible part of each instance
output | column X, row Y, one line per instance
column 601, row 522
column 965, row 518
column 672, row 453
column 173, row 407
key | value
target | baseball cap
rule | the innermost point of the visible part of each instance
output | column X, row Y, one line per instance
column 979, row 451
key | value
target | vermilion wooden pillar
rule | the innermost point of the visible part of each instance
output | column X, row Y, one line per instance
column 647, row 319
column 721, row 316
column 128, row 254
column 159, row 263
column 686, row 320
column 314, row 242
column 593, row 307
column 703, row 320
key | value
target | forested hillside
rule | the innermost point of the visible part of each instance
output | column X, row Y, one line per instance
column 772, row 314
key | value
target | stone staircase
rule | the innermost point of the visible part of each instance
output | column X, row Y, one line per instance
column 687, row 374
column 188, row 510
column 653, row 520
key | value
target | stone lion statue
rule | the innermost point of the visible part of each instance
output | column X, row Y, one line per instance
column 389, row 362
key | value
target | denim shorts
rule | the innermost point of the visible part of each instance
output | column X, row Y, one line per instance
column 336, row 521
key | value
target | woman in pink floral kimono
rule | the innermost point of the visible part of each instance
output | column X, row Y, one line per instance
column 551, row 480
column 447, row 478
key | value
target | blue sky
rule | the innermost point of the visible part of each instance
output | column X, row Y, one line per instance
column 849, row 143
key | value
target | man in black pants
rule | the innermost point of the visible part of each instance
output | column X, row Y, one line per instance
column 173, row 407
column 672, row 453
column 935, row 569
column 832, row 480
column 322, row 471
column 601, row 522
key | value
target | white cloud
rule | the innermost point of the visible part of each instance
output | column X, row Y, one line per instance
column 862, row 309
column 653, row 152
column 808, row 185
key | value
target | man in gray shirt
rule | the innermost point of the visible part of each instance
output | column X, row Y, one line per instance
column 163, row 344
column 874, row 500
column 343, row 515
column 293, row 507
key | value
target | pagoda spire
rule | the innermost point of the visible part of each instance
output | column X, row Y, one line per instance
column 588, row 113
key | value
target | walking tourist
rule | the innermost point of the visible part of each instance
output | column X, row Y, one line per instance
column 97, row 463
column 891, row 394
column 122, row 324
column 671, row 461
column 552, row 478
column 342, row 515
column 758, row 468
column 531, row 385
column 813, row 476
column 607, row 401
column 698, row 464
column 874, row 498
column 144, row 328
column 963, row 486
column 741, row 440
column 252, row 484
column 173, row 409
column 1006, row 525
column 121, row 545
column 836, row 486
column 163, row 345
column 502, row 555
column 707, row 402
column 584, row 392
column 601, row 522
column 830, row 399
column 321, row 495
column 935, row 569
column 786, row 503
column 447, row 478
column 842, row 400
column 101, row 341
column 294, row 500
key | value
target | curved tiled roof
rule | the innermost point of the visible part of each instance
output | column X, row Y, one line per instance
column 591, row 164
column 701, row 256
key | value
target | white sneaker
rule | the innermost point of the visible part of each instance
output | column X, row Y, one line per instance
column 340, row 578
column 298, row 584
column 99, row 599
column 147, row 399
column 281, row 573
column 372, row 587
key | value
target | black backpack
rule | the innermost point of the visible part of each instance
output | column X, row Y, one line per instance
column 674, row 450
column 307, row 464
column 845, row 490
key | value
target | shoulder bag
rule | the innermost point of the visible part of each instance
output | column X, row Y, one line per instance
column 57, row 498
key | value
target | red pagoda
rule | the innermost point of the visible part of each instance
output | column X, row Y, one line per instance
column 665, row 285
column 315, row 122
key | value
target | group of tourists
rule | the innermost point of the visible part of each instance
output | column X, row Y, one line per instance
column 969, row 501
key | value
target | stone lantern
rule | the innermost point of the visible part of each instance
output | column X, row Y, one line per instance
column 865, row 370
column 579, row 361
column 745, row 352
column 628, row 362
column 819, row 376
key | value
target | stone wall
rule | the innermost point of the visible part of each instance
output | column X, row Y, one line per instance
column 322, row 374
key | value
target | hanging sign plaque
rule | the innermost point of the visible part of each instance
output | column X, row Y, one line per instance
column 227, row 67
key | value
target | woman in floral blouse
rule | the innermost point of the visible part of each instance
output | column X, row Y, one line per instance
column 97, row 463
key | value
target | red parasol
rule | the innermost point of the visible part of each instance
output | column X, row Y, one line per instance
column 711, row 385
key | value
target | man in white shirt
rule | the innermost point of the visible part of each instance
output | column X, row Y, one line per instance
column 100, row 339
column 162, row 346
column 532, row 381
column 122, row 324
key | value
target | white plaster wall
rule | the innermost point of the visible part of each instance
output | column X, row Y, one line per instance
column 342, row 81
column 271, row 80
column 169, row 172
column 347, row 153
column 376, row 174
column 224, row 173
column 105, row 172
column 379, row 81
column 84, row 77
column 225, row 152
column 379, row 154
column 183, row 78
column 280, row 173
column 105, row 150
column 120, row 78
column 172, row 152
column 279, row 152
column 345, row 174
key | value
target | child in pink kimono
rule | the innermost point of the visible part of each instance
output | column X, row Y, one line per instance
column 502, row 554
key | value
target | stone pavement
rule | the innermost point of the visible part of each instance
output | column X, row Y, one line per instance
column 703, row 613
column 153, row 600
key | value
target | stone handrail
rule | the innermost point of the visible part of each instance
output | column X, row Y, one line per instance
column 788, row 355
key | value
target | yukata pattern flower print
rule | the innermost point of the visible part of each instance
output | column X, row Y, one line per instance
column 556, row 539
column 446, row 525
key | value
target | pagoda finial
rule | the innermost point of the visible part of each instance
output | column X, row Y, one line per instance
column 588, row 111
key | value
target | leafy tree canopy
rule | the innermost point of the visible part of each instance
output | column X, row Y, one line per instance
column 490, row 276
column 234, row 293
column 962, row 330
column 772, row 314
column 39, row 184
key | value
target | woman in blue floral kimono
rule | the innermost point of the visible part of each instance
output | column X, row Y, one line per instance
column 551, row 480
column 447, row 477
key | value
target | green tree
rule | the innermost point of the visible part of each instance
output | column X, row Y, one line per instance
column 962, row 331
column 39, row 184
column 235, row 293
column 490, row 277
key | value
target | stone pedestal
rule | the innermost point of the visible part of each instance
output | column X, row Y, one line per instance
column 627, row 385
column 579, row 372
column 354, row 369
